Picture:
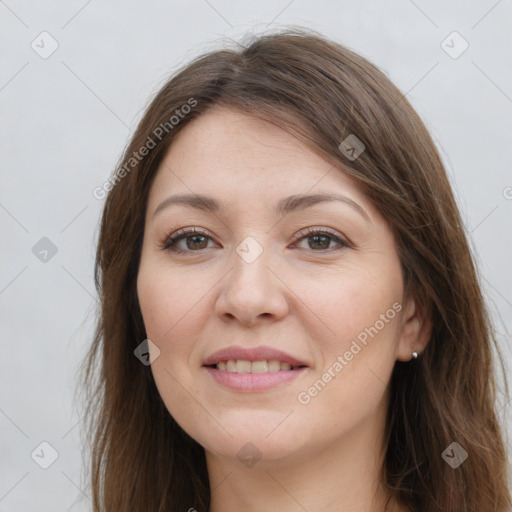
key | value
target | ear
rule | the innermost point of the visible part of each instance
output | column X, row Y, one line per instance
column 416, row 327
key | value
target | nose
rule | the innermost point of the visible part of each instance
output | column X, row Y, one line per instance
column 252, row 291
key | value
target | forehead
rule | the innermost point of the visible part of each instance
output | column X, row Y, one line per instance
column 234, row 155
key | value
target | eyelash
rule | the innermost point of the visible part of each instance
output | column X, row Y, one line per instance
column 170, row 241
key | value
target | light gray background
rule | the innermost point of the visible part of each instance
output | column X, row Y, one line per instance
column 66, row 119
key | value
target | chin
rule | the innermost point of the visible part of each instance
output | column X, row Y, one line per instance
column 263, row 436
column 249, row 450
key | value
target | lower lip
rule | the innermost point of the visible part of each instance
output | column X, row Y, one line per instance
column 253, row 381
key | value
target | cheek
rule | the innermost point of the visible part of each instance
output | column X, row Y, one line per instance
column 350, row 303
column 362, row 313
column 171, row 306
column 170, row 302
column 351, row 384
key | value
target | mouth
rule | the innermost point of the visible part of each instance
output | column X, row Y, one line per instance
column 246, row 366
column 253, row 369
column 263, row 359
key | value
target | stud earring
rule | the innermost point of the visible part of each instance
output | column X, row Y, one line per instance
column 415, row 355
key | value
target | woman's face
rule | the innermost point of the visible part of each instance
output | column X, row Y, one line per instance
column 317, row 281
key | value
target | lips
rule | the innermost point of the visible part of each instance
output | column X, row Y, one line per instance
column 252, row 354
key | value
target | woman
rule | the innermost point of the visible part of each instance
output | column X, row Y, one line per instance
column 290, row 315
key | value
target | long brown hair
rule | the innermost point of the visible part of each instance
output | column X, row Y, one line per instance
column 321, row 92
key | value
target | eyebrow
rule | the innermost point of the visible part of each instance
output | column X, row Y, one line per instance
column 284, row 207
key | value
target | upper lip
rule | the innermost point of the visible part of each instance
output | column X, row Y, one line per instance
column 251, row 354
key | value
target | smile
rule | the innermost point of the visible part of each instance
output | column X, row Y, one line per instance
column 245, row 366
column 252, row 369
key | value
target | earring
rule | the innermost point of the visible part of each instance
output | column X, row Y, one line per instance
column 415, row 355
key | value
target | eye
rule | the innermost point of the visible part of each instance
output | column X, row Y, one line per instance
column 194, row 239
column 320, row 240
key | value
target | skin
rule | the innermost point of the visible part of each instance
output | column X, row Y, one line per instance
column 300, row 295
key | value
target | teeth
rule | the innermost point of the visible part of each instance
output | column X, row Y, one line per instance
column 259, row 367
column 244, row 366
column 273, row 366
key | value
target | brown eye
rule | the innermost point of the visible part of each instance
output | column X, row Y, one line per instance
column 320, row 241
column 194, row 241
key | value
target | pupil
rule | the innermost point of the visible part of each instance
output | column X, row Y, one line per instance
column 195, row 239
column 316, row 237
